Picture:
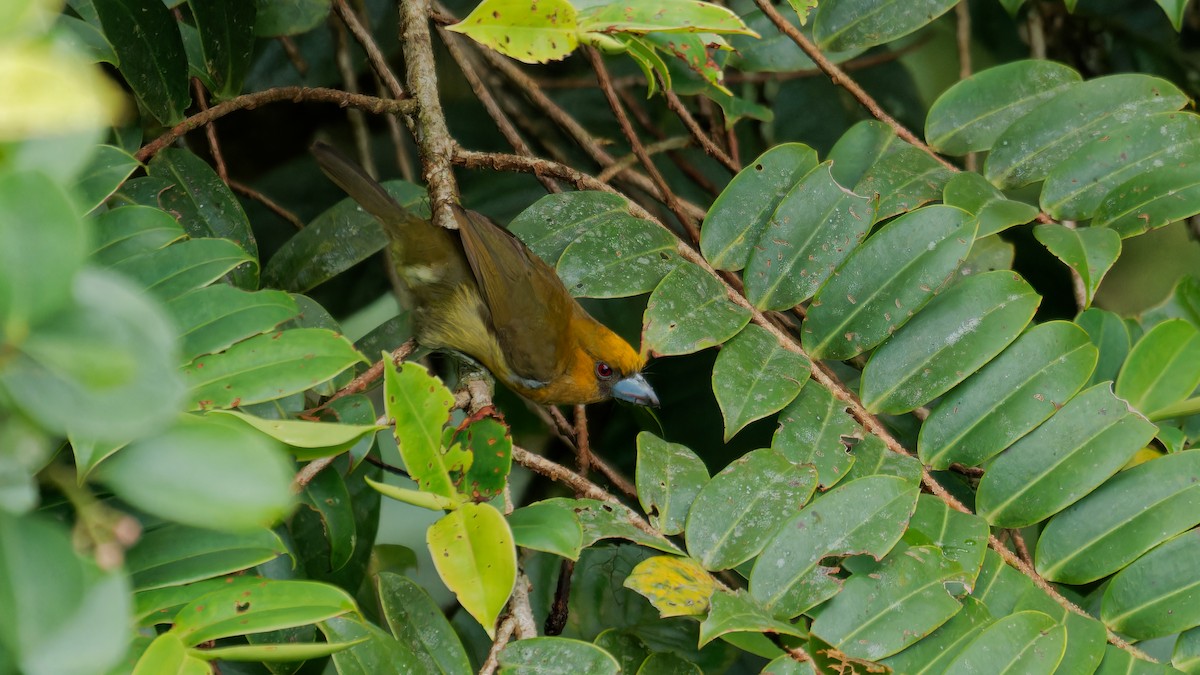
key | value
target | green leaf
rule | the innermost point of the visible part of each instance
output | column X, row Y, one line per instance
column 227, row 39
column 755, row 376
column 1183, row 303
column 1163, row 368
column 268, row 367
column 474, row 554
column 326, row 494
column 961, row 537
column 872, row 158
column 1174, row 10
column 664, row 16
column 989, row 254
column 554, row 221
column 952, row 337
column 271, row 605
column 549, row 528
column 490, row 444
column 1033, row 145
column 307, row 440
column 972, row 114
column 103, row 370
column 417, row 621
column 1157, row 595
column 146, row 39
column 692, row 52
column 1086, row 636
column 214, row 318
column 205, row 206
column 1025, row 642
column 1068, row 456
column 736, row 612
column 1187, row 651
column 172, row 271
column 1076, row 187
column 63, row 615
column 378, row 654
column 675, row 586
column 668, row 663
column 107, row 168
column 276, row 652
column 880, row 613
column 848, row 24
column 206, row 474
column 972, row 193
column 1130, row 514
column 420, row 404
column 605, row 520
column 555, row 656
column 131, row 230
column 629, row 651
column 1150, row 199
column 338, row 239
column 811, row 430
column 1089, row 251
column 744, row 505
column 1118, row 661
column 873, row 458
column 934, row 652
column 289, row 17
column 158, row 606
column 425, row 500
column 886, row 280
column 85, row 38
column 37, row 263
column 168, row 654
column 174, row 554
column 862, row 516
column 775, row 52
column 743, row 209
column 619, row 257
column 1111, row 336
column 1009, row 397
column 669, row 476
column 528, row 32
column 816, row 225
column 689, row 311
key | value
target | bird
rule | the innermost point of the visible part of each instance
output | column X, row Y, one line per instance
column 482, row 293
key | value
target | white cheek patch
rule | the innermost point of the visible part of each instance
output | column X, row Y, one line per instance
column 417, row 275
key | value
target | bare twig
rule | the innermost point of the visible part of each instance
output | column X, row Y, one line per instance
column 702, row 138
column 266, row 201
column 839, row 77
column 358, row 121
column 962, row 13
column 374, row 54
column 210, row 130
column 433, row 138
column 293, row 94
column 294, row 55
column 503, row 123
column 306, row 474
column 582, row 441
column 504, row 634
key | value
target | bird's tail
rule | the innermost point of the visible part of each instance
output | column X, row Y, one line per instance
column 351, row 178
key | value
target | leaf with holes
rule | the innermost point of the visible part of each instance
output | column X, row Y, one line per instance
column 811, row 430
column 754, row 376
column 669, row 476
column 741, row 508
column 887, row 280
column 1009, row 397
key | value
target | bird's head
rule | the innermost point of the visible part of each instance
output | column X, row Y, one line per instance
column 602, row 365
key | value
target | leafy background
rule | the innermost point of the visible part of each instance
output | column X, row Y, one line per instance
column 969, row 433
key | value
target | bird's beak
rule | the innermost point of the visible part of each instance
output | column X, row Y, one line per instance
column 635, row 389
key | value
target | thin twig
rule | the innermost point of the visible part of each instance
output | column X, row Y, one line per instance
column 962, row 14
column 504, row 634
column 367, row 41
column 433, row 137
column 358, row 120
column 293, row 94
column 702, row 138
column 306, row 474
column 584, row 452
column 503, row 123
column 665, row 145
column 684, row 164
column 668, row 196
column 839, row 77
column 294, row 55
column 266, row 201
column 210, row 131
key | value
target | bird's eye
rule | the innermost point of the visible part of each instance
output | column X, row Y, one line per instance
column 603, row 370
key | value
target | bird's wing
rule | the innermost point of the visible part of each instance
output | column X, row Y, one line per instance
column 530, row 308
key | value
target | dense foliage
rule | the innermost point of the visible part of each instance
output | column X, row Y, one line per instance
column 924, row 406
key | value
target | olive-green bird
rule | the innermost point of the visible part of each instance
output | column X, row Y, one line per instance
column 481, row 292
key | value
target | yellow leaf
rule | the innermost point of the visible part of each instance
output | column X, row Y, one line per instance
column 675, row 586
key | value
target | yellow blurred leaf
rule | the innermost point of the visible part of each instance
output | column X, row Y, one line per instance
column 49, row 91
